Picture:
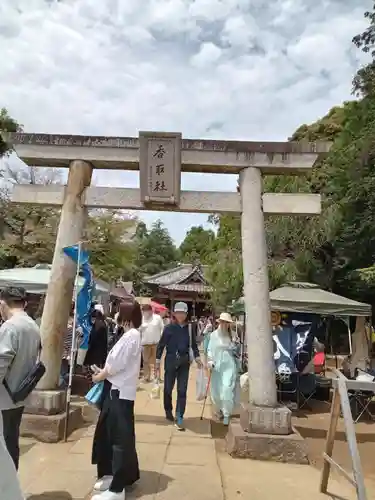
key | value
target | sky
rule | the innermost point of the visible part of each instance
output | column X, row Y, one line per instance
column 219, row 69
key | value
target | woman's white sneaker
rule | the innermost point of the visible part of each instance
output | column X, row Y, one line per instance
column 103, row 483
column 109, row 495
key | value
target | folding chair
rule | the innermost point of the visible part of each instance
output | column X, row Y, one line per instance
column 287, row 384
column 360, row 400
column 360, row 404
column 306, row 388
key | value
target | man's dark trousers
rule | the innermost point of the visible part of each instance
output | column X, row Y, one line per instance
column 11, row 424
column 171, row 374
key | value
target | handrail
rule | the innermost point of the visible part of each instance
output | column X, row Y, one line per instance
column 341, row 400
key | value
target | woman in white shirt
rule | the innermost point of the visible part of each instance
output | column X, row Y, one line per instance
column 151, row 330
column 114, row 450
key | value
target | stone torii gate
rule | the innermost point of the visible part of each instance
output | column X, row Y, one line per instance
column 161, row 157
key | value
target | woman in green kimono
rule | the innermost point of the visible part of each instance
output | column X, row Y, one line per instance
column 223, row 361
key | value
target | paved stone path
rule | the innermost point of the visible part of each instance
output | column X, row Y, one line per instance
column 174, row 465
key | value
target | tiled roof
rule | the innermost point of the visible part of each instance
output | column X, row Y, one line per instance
column 120, row 293
column 189, row 287
column 175, row 276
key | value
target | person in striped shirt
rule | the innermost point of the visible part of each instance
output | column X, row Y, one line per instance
column 67, row 348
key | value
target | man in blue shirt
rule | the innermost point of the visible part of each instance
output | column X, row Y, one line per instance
column 181, row 348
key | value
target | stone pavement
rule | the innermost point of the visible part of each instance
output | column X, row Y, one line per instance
column 174, row 465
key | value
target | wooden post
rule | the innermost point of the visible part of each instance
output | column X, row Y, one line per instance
column 335, row 414
column 60, row 289
column 341, row 400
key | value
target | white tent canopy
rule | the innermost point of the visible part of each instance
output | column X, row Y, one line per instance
column 35, row 279
column 309, row 298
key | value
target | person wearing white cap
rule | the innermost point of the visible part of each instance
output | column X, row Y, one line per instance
column 181, row 347
column 223, row 361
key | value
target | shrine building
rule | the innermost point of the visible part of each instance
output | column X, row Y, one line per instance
column 186, row 283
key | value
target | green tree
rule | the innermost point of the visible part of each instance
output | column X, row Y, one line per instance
column 7, row 125
column 364, row 80
column 112, row 249
column 225, row 261
column 197, row 245
column 155, row 252
column 225, row 276
column 27, row 232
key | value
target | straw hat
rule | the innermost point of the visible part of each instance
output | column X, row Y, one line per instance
column 275, row 318
column 144, row 301
column 225, row 317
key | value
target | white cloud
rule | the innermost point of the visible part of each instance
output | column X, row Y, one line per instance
column 234, row 69
column 208, row 54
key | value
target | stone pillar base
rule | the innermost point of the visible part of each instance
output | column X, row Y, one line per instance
column 45, row 416
column 266, row 420
column 45, row 402
column 290, row 448
column 50, row 428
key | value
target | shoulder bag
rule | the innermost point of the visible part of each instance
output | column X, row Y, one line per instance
column 28, row 384
column 186, row 359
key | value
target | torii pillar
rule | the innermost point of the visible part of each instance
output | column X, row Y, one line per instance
column 265, row 428
column 45, row 407
column 58, row 300
column 256, row 287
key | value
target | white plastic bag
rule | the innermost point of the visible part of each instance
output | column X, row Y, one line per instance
column 201, row 384
column 81, row 354
column 155, row 391
column 244, row 381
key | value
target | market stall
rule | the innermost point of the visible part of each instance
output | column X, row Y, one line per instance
column 35, row 281
column 299, row 298
column 309, row 298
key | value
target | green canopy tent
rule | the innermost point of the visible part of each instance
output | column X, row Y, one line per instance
column 309, row 298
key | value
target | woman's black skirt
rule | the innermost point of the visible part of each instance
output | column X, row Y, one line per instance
column 114, row 449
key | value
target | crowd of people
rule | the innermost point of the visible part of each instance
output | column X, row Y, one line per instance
column 118, row 348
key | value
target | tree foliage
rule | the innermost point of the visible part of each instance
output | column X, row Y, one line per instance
column 155, row 252
column 197, row 244
column 225, row 262
column 112, row 251
column 7, row 125
column 364, row 80
column 27, row 232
